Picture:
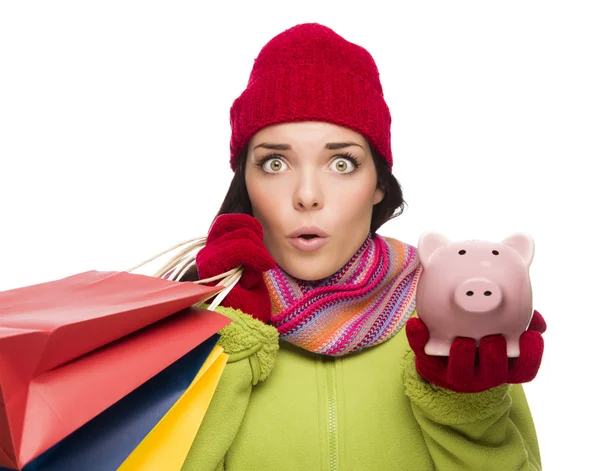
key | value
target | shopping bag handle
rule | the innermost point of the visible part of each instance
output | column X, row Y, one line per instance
column 182, row 261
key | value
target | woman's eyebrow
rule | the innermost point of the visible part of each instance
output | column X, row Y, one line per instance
column 267, row 145
column 329, row 145
column 340, row 145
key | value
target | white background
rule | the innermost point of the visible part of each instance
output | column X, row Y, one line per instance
column 114, row 135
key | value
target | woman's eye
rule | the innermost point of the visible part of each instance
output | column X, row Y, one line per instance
column 273, row 165
column 343, row 165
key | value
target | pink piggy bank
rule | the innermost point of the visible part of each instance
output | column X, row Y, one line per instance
column 473, row 289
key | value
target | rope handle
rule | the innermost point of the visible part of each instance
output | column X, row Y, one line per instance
column 177, row 266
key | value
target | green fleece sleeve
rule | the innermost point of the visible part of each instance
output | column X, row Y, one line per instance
column 252, row 347
column 491, row 430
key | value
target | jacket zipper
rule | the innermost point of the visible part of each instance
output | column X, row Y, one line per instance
column 332, row 431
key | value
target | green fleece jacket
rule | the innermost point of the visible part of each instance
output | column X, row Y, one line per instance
column 280, row 408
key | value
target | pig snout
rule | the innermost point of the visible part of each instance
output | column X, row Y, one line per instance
column 478, row 295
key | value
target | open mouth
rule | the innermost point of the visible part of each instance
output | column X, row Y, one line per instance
column 308, row 241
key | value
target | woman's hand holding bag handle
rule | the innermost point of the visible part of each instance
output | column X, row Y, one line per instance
column 233, row 254
column 237, row 240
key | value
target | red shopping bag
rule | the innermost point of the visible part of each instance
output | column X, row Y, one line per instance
column 71, row 348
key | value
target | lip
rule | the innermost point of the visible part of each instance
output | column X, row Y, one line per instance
column 309, row 230
column 308, row 245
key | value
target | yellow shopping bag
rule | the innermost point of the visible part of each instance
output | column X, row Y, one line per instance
column 168, row 443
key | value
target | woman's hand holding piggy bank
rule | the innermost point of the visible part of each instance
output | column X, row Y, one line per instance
column 476, row 327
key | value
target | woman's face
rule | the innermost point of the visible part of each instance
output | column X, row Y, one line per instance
column 312, row 186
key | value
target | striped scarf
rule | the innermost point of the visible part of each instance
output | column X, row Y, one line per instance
column 361, row 305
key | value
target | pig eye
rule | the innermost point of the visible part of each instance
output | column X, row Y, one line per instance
column 462, row 252
column 495, row 252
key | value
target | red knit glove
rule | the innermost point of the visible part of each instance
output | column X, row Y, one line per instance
column 469, row 369
column 233, row 240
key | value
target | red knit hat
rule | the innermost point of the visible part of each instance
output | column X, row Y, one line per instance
column 310, row 73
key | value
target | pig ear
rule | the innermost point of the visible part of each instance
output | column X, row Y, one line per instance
column 523, row 244
column 429, row 242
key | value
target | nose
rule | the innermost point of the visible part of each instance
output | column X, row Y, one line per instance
column 308, row 194
column 478, row 295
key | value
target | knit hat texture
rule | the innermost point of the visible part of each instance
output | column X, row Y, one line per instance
column 310, row 73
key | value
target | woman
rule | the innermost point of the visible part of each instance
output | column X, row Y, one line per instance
column 321, row 374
